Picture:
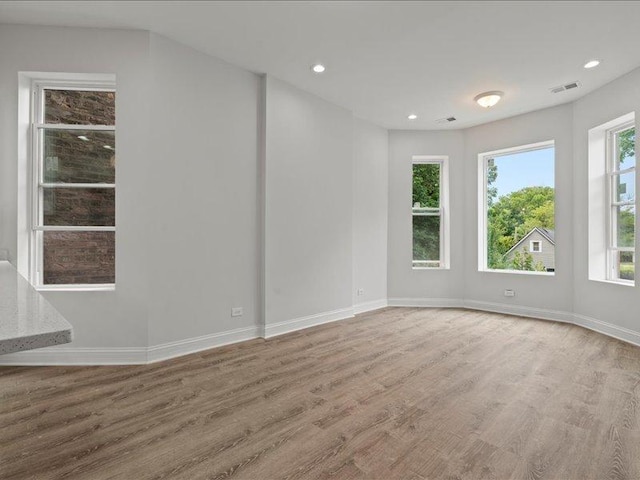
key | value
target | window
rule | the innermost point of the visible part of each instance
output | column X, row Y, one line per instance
column 621, row 173
column 516, row 208
column 612, row 201
column 430, row 212
column 72, row 221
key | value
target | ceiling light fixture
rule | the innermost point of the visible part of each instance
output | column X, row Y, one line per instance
column 318, row 68
column 413, row 116
column 108, row 147
column 488, row 99
column 83, row 138
column 592, row 63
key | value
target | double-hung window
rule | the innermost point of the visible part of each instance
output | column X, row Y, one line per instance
column 612, row 201
column 621, row 181
column 430, row 212
column 72, row 240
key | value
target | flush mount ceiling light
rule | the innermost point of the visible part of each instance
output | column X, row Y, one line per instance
column 592, row 63
column 318, row 68
column 413, row 116
column 84, row 138
column 488, row 99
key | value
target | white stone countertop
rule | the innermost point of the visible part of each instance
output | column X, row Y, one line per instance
column 27, row 320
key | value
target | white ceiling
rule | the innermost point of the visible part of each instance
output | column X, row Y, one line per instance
column 388, row 59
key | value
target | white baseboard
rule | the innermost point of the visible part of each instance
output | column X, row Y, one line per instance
column 427, row 302
column 169, row 350
column 541, row 313
column 608, row 329
column 370, row 306
column 65, row 355
column 288, row 326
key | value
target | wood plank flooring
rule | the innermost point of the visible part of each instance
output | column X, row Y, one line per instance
column 399, row 393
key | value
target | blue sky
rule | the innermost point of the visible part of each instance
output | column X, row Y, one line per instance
column 528, row 169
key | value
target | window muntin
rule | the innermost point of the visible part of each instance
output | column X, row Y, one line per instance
column 72, row 240
column 429, row 211
column 536, row 246
column 516, row 195
column 621, row 180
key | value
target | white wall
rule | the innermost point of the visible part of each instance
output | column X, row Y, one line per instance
column 614, row 304
column 308, row 206
column 534, row 291
column 203, row 230
column 100, row 319
column 404, row 282
column 370, row 205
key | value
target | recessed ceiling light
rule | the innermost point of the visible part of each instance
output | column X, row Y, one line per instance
column 488, row 99
column 413, row 116
column 83, row 138
column 592, row 63
column 318, row 68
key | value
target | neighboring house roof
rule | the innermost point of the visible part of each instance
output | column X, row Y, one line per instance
column 546, row 233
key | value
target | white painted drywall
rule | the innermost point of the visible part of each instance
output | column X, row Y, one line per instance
column 610, row 303
column 100, row 319
column 202, row 224
column 370, row 204
column 404, row 281
column 535, row 291
column 308, row 205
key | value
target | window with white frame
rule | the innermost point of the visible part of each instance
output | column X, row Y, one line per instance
column 73, row 153
column 516, row 199
column 621, row 180
column 430, row 212
column 612, row 201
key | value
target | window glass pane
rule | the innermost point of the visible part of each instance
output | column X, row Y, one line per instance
column 521, row 208
column 426, row 239
column 77, row 156
column 79, row 206
column 625, row 218
column 79, row 107
column 78, row 257
column 625, row 187
column 626, row 141
column 626, row 265
column 426, row 185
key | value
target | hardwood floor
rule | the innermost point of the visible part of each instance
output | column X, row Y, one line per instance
column 396, row 394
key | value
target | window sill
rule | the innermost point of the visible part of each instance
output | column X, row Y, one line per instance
column 76, row 288
column 621, row 283
column 520, row 272
column 431, row 268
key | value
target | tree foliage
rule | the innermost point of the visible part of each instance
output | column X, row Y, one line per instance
column 426, row 194
column 514, row 215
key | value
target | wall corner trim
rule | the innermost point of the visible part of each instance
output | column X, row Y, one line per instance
column 165, row 351
column 280, row 328
column 607, row 329
column 370, row 306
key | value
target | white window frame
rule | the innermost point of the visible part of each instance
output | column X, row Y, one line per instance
column 600, row 196
column 612, row 153
column 442, row 211
column 531, row 246
column 36, row 186
column 483, row 209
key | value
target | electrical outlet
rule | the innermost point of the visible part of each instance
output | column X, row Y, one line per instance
column 360, row 291
column 509, row 293
column 236, row 312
